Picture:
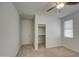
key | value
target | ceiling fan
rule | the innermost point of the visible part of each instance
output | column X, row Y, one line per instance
column 60, row 5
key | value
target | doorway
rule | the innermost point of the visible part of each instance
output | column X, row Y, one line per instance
column 41, row 35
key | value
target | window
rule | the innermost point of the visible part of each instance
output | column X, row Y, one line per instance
column 68, row 29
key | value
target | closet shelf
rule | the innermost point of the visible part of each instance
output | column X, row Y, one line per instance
column 41, row 35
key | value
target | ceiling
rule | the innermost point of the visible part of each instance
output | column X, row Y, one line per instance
column 29, row 9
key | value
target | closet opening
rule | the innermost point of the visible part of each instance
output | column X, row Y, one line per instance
column 41, row 36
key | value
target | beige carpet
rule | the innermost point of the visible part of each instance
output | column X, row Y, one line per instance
column 28, row 51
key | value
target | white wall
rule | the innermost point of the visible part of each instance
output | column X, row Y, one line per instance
column 53, row 33
column 9, row 30
column 27, row 31
column 74, row 42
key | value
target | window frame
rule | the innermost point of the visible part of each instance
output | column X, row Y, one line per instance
column 64, row 30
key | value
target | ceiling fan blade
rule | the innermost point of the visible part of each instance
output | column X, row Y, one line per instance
column 72, row 3
column 51, row 8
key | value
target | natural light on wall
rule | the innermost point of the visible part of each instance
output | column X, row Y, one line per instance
column 68, row 29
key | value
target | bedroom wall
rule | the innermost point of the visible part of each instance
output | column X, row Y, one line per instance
column 53, row 30
column 27, row 31
column 9, row 30
column 73, row 42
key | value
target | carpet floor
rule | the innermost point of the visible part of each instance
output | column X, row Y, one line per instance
column 28, row 51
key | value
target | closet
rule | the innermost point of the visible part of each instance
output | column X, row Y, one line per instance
column 41, row 35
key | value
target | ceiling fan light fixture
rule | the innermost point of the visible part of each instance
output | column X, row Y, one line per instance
column 61, row 5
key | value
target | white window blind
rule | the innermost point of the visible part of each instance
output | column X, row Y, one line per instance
column 68, row 29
